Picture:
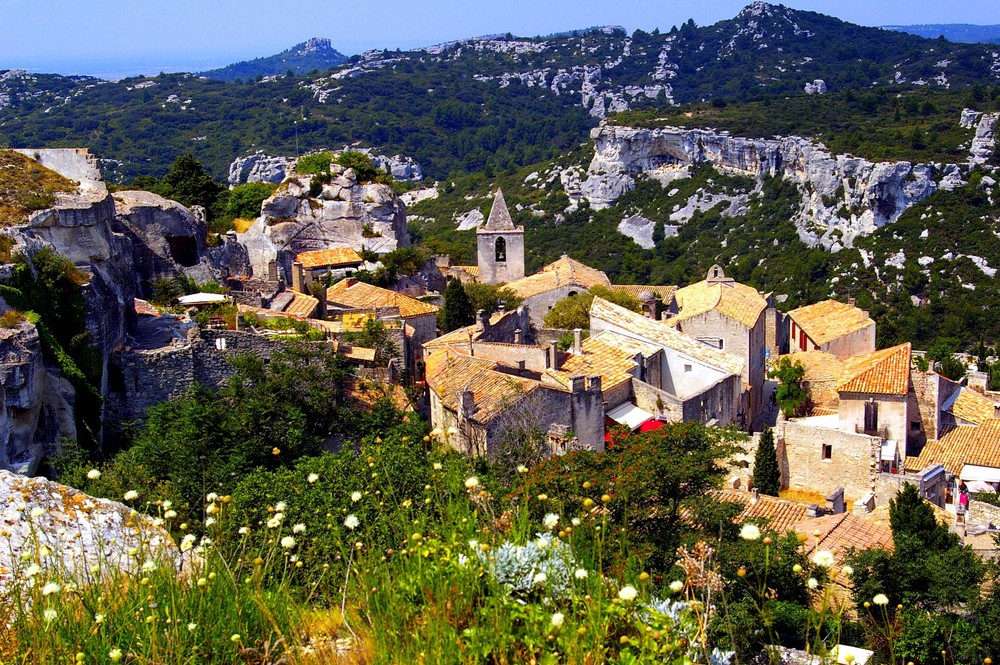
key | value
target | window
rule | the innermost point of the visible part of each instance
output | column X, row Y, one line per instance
column 688, row 368
column 915, row 426
column 827, row 451
column 501, row 248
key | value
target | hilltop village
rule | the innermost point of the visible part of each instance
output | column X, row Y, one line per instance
column 851, row 427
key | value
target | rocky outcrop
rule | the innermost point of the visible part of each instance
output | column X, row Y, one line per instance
column 167, row 238
column 80, row 533
column 36, row 403
column 984, row 141
column 344, row 212
column 260, row 167
column 39, row 404
column 842, row 196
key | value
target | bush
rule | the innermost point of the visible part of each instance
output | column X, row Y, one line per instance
column 313, row 164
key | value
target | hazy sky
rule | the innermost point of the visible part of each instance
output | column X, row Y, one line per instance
column 100, row 36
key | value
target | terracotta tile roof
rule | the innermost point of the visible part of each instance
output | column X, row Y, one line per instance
column 301, row 305
column 739, row 302
column 971, row 407
column 840, row 533
column 449, row 372
column 628, row 344
column 457, row 337
column 366, row 394
column 471, row 270
column 977, row 445
column 782, row 515
column 661, row 334
column 611, row 363
column 144, row 308
column 663, row 292
column 885, row 372
column 329, row 258
column 829, row 320
column 354, row 352
column 351, row 293
column 564, row 272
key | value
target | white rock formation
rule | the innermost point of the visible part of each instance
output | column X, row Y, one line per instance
column 259, row 167
column 470, row 220
column 345, row 213
column 984, row 142
column 868, row 194
column 639, row 229
column 817, row 87
column 80, row 532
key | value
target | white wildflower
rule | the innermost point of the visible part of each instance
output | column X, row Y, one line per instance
column 51, row 588
column 881, row 599
column 299, row 528
column 823, row 558
column 131, row 495
column 355, row 497
column 750, row 532
column 628, row 593
column 581, row 574
column 37, row 511
column 352, row 522
column 677, row 586
column 187, row 542
column 539, row 579
column 170, row 514
column 288, row 542
column 244, row 530
column 93, row 474
column 550, row 521
column 280, row 507
column 312, row 477
column 471, row 482
column 557, row 619
column 211, row 496
column 812, row 583
column 50, row 615
column 32, row 570
column 209, row 521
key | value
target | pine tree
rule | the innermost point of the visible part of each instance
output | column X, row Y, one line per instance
column 910, row 515
column 457, row 310
column 766, row 475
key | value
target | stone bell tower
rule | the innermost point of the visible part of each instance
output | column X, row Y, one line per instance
column 501, row 246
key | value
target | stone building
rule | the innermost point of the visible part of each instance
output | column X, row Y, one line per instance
column 686, row 380
column 338, row 262
column 501, row 246
column 557, row 280
column 479, row 405
column 421, row 317
column 729, row 316
column 833, row 327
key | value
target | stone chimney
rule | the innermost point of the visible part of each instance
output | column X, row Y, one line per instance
column 812, row 510
column 835, row 502
column 996, row 409
column 518, row 336
column 864, row 505
column 754, row 495
column 481, row 319
column 298, row 276
column 272, row 271
column 577, row 384
column 594, row 384
column 577, row 342
column 467, row 402
column 552, row 357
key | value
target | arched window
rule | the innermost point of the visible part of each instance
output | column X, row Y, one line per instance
column 501, row 247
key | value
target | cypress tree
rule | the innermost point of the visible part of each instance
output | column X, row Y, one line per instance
column 766, row 475
column 457, row 310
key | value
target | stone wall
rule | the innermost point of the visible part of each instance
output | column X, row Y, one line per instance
column 658, row 402
column 775, row 332
column 800, row 455
column 144, row 378
column 541, row 303
column 981, row 512
column 73, row 163
column 503, row 327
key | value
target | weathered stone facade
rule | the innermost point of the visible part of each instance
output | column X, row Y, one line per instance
column 820, row 459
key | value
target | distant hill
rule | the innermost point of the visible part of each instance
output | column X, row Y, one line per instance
column 316, row 53
column 954, row 32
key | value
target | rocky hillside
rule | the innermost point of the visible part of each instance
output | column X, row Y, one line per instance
column 316, row 53
column 496, row 102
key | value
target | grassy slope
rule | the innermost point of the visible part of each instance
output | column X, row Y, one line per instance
column 26, row 186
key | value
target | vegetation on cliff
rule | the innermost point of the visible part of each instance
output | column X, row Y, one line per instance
column 27, row 186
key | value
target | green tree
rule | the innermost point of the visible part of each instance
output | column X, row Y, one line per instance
column 374, row 335
column 574, row 311
column 488, row 297
column 766, row 475
column 792, row 396
column 457, row 310
column 910, row 515
column 188, row 184
column 245, row 200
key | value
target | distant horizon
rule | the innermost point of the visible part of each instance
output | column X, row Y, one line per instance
column 241, row 30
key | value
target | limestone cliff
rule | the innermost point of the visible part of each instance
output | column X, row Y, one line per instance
column 342, row 213
column 260, row 167
column 842, row 196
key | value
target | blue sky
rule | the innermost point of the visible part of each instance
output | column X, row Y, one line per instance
column 114, row 36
